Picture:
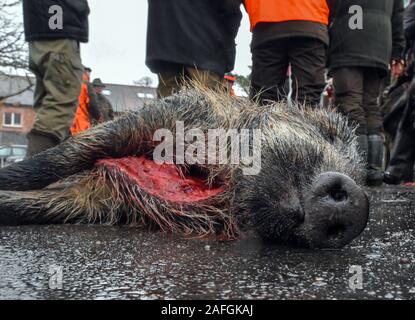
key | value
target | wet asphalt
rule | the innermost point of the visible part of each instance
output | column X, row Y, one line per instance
column 99, row 262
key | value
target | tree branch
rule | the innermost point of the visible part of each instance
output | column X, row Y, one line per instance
column 29, row 86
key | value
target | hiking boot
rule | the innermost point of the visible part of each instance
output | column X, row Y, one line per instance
column 400, row 168
column 39, row 142
column 375, row 160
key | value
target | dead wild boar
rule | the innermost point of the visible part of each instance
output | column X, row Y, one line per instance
column 305, row 192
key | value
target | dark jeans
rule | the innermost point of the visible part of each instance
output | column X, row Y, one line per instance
column 401, row 164
column 270, row 60
column 357, row 90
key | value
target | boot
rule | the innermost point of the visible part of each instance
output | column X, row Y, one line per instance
column 401, row 165
column 375, row 161
column 39, row 142
column 363, row 148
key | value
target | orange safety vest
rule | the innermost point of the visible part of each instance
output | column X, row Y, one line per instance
column 231, row 79
column 287, row 10
column 81, row 121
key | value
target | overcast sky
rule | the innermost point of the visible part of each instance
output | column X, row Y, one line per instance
column 116, row 49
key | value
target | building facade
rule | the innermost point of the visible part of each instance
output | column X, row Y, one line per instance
column 16, row 113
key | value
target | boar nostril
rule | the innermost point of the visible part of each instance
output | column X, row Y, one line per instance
column 336, row 231
column 338, row 213
column 338, row 194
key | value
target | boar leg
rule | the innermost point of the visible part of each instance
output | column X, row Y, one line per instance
column 130, row 134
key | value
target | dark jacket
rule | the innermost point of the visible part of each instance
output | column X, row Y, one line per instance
column 373, row 46
column 409, row 22
column 265, row 32
column 75, row 20
column 105, row 107
column 194, row 33
column 95, row 113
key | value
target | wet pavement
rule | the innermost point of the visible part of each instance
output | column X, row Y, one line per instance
column 98, row 262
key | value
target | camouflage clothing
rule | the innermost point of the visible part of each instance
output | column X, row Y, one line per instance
column 58, row 69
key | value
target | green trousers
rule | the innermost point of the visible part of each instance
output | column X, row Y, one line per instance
column 58, row 69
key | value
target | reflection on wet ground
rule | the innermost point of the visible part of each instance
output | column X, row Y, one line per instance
column 98, row 262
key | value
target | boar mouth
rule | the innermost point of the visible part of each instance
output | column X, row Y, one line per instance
column 335, row 231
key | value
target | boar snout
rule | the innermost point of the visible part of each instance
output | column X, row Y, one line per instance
column 336, row 211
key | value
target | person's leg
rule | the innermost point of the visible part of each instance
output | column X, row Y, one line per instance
column 348, row 88
column 373, row 82
column 170, row 81
column 373, row 78
column 205, row 78
column 401, row 164
column 269, row 71
column 60, row 67
column 39, row 91
column 308, row 58
column 37, row 141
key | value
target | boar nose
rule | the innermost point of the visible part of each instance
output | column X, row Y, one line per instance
column 339, row 211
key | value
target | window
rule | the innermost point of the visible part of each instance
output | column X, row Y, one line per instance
column 20, row 152
column 106, row 92
column 12, row 119
column 5, row 152
column 144, row 95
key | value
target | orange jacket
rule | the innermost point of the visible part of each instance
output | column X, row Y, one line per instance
column 287, row 10
column 229, row 82
column 81, row 121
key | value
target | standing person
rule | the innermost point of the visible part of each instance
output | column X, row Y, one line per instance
column 104, row 104
column 191, row 40
column 54, row 30
column 87, row 113
column 401, row 165
column 229, row 81
column 359, row 59
column 288, row 32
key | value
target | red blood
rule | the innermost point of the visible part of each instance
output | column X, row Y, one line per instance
column 162, row 181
